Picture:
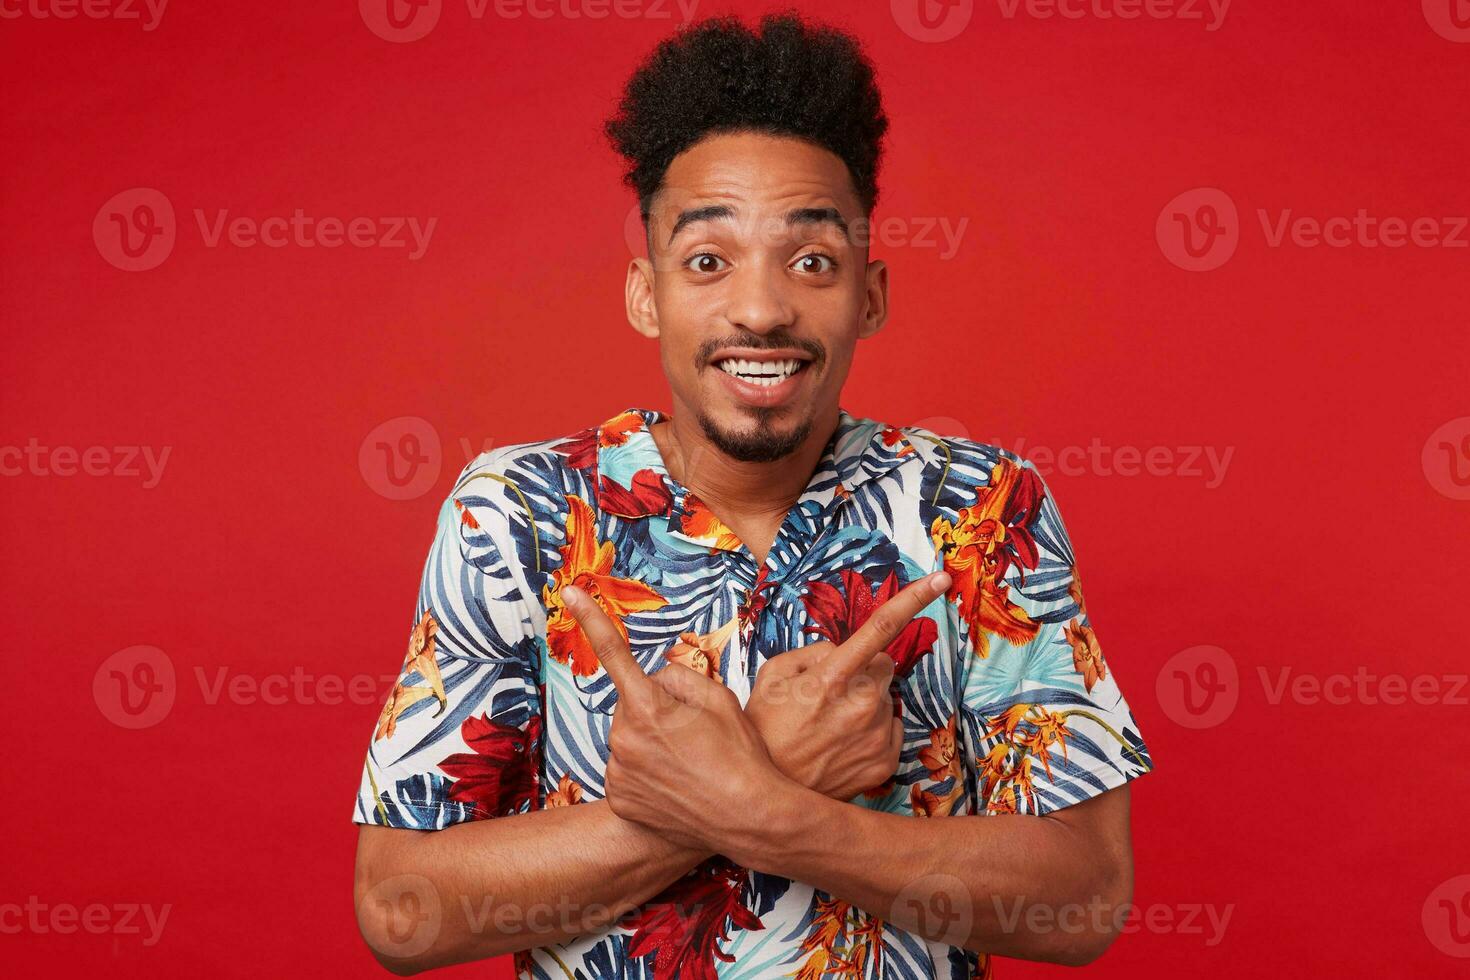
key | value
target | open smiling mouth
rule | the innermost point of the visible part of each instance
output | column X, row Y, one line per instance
column 767, row 374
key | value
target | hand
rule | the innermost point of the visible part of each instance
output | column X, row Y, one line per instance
column 825, row 712
column 683, row 758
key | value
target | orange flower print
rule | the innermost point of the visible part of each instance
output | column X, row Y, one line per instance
column 990, row 537
column 1074, row 591
column 1043, row 729
column 841, row 942
column 568, row 793
column 940, row 757
column 942, row 760
column 698, row 521
column 1087, row 656
column 588, row 564
column 925, row 803
column 1004, row 801
column 1007, row 722
column 419, row 659
column 616, row 431
column 465, row 517
column 1009, row 770
column 892, row 437
column 703, row 653
column 1048, row 728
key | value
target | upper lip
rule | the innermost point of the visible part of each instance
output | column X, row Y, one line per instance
column 759, row 354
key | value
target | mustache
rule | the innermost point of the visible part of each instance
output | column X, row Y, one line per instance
column 772, row 342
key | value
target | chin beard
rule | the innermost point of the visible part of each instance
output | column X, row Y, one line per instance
column 760, row 445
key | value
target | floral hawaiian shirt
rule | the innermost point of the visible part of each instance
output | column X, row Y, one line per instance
column 501, row 707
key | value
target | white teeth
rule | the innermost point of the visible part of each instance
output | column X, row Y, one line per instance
column 765, row 373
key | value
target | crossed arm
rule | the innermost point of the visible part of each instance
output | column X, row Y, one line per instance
column 691, row 774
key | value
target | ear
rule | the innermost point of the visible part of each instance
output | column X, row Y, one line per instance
column 875, row 309
column 638, row 296
column 643, row 313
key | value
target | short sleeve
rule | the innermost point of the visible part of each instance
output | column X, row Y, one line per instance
column 1045, row 723
column 459, row 735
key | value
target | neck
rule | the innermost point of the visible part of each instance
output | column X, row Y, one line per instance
column 732, row 486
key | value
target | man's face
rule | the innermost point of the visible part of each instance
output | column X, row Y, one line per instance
column 760, row 288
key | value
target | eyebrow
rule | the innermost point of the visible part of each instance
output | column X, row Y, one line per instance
column 799, row 216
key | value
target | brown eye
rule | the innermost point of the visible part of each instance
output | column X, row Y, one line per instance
column 705, row 262
column 816, row 263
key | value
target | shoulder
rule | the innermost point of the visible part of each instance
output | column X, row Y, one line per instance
column 507, row 504
column 512, row 476
column 960, row 461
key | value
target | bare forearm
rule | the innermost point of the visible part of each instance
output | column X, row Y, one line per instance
column 1014, row 885
column 512, row 883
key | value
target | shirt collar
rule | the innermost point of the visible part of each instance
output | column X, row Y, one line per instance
column 858, row 450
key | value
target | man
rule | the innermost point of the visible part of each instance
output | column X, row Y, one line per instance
column 753, row 688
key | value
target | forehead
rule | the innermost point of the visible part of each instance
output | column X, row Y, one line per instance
column 757, row 171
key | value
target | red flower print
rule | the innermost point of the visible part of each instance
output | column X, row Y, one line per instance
column 837, row 614
column 647, row 496
column 499, row 774
column 683, row 924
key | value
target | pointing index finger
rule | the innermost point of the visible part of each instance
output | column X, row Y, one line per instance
column 884, row 625
column 606, row 642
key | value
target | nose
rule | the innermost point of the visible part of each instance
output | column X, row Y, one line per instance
column 758, row 300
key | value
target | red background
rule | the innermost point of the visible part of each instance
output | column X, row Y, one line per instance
column 264, row 547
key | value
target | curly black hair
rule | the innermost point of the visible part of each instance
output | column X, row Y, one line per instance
column 789, row 78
